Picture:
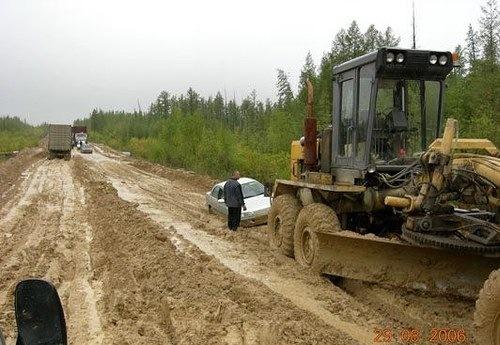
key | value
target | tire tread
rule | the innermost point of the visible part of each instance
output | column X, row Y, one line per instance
column 488, row 310
column 319, row 217
column 288, row 206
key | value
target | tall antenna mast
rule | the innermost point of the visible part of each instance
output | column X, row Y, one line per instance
column 414, row 46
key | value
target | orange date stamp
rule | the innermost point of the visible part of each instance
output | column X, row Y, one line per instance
column 411, row 335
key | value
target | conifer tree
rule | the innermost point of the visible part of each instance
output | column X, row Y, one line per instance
column 308, row 72
column 471, row 45
column 285, row 94
column 489, row 31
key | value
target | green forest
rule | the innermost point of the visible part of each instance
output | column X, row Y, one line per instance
column 16, row 134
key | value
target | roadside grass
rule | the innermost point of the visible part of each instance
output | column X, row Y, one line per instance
column 214, row 151
column 16, row 141
column 16, row 134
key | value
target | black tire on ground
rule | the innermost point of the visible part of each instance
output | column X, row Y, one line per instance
column 67, row 156
column 281, row 222
column 487, row 314
column 312, row 218
column 210, row 211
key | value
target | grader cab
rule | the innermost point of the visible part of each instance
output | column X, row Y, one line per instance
column 378, row 196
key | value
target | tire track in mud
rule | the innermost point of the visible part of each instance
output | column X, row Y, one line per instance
column 43, row 231
column 415, row 310
column 206, row 301
column 133, row 187
column 12, row 168
column 143, row 262
column 365, row 306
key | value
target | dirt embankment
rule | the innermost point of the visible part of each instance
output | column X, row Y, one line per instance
column 11, row 169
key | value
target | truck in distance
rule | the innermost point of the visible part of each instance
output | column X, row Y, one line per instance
column 59, row 144
column 75, row 130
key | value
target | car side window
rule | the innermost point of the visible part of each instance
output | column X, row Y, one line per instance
column 221, row 194
column 215, row 192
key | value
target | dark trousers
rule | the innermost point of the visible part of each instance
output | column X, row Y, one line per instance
column 233, row 218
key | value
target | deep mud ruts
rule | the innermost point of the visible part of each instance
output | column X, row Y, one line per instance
column 138, row 260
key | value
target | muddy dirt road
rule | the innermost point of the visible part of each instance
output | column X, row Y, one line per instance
column 138, row 260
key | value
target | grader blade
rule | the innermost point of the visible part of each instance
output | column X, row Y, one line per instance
column 392, row 262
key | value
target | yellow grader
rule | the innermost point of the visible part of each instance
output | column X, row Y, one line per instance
column 378, row 196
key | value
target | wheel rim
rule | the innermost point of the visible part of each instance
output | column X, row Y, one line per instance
column 278, row 233
column 307, row 246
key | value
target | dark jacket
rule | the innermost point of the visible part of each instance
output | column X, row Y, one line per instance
column 233, row 195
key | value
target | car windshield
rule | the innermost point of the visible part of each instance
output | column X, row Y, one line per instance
column 252, row 188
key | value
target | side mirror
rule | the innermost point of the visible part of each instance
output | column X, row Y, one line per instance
column 39, row 314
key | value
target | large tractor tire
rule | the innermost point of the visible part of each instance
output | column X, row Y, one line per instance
column 487, row 314
column 312, row 218
column 281, row 222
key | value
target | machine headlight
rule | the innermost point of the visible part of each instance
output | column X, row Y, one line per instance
column 389, row 57
column 443, row 59
column 433, row 59
column 400, row 58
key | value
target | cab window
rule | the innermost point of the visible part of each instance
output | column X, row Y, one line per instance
column 365, row 90
column 346, row 118
column 403, row 128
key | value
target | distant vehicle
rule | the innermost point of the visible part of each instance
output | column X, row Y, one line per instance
column 75, row 130
column 256, row 201
column 80, row 138
column 86, row 148
column 59, row 144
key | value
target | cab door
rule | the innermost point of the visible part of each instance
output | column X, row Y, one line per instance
column 344, row 119
column 365, row 102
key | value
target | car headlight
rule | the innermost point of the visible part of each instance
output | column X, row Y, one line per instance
column 389, row 57
column 443, row 59
column 400, row 58
column 433, row 59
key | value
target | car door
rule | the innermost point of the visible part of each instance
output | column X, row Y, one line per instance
column 212, row 198
column 221, row 206
column 215, row 195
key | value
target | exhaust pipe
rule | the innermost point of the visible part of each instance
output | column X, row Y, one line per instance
column 310, row 132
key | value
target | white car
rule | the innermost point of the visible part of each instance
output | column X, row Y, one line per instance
column 86, row 148
column 256, row 201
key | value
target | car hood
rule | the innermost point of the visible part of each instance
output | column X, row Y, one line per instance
column 258, row 202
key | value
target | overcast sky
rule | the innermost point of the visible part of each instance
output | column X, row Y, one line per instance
column 59, row 59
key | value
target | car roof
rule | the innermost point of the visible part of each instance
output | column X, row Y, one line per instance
column 242, row 180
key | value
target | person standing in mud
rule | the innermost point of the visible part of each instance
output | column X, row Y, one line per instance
column 233, row 197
